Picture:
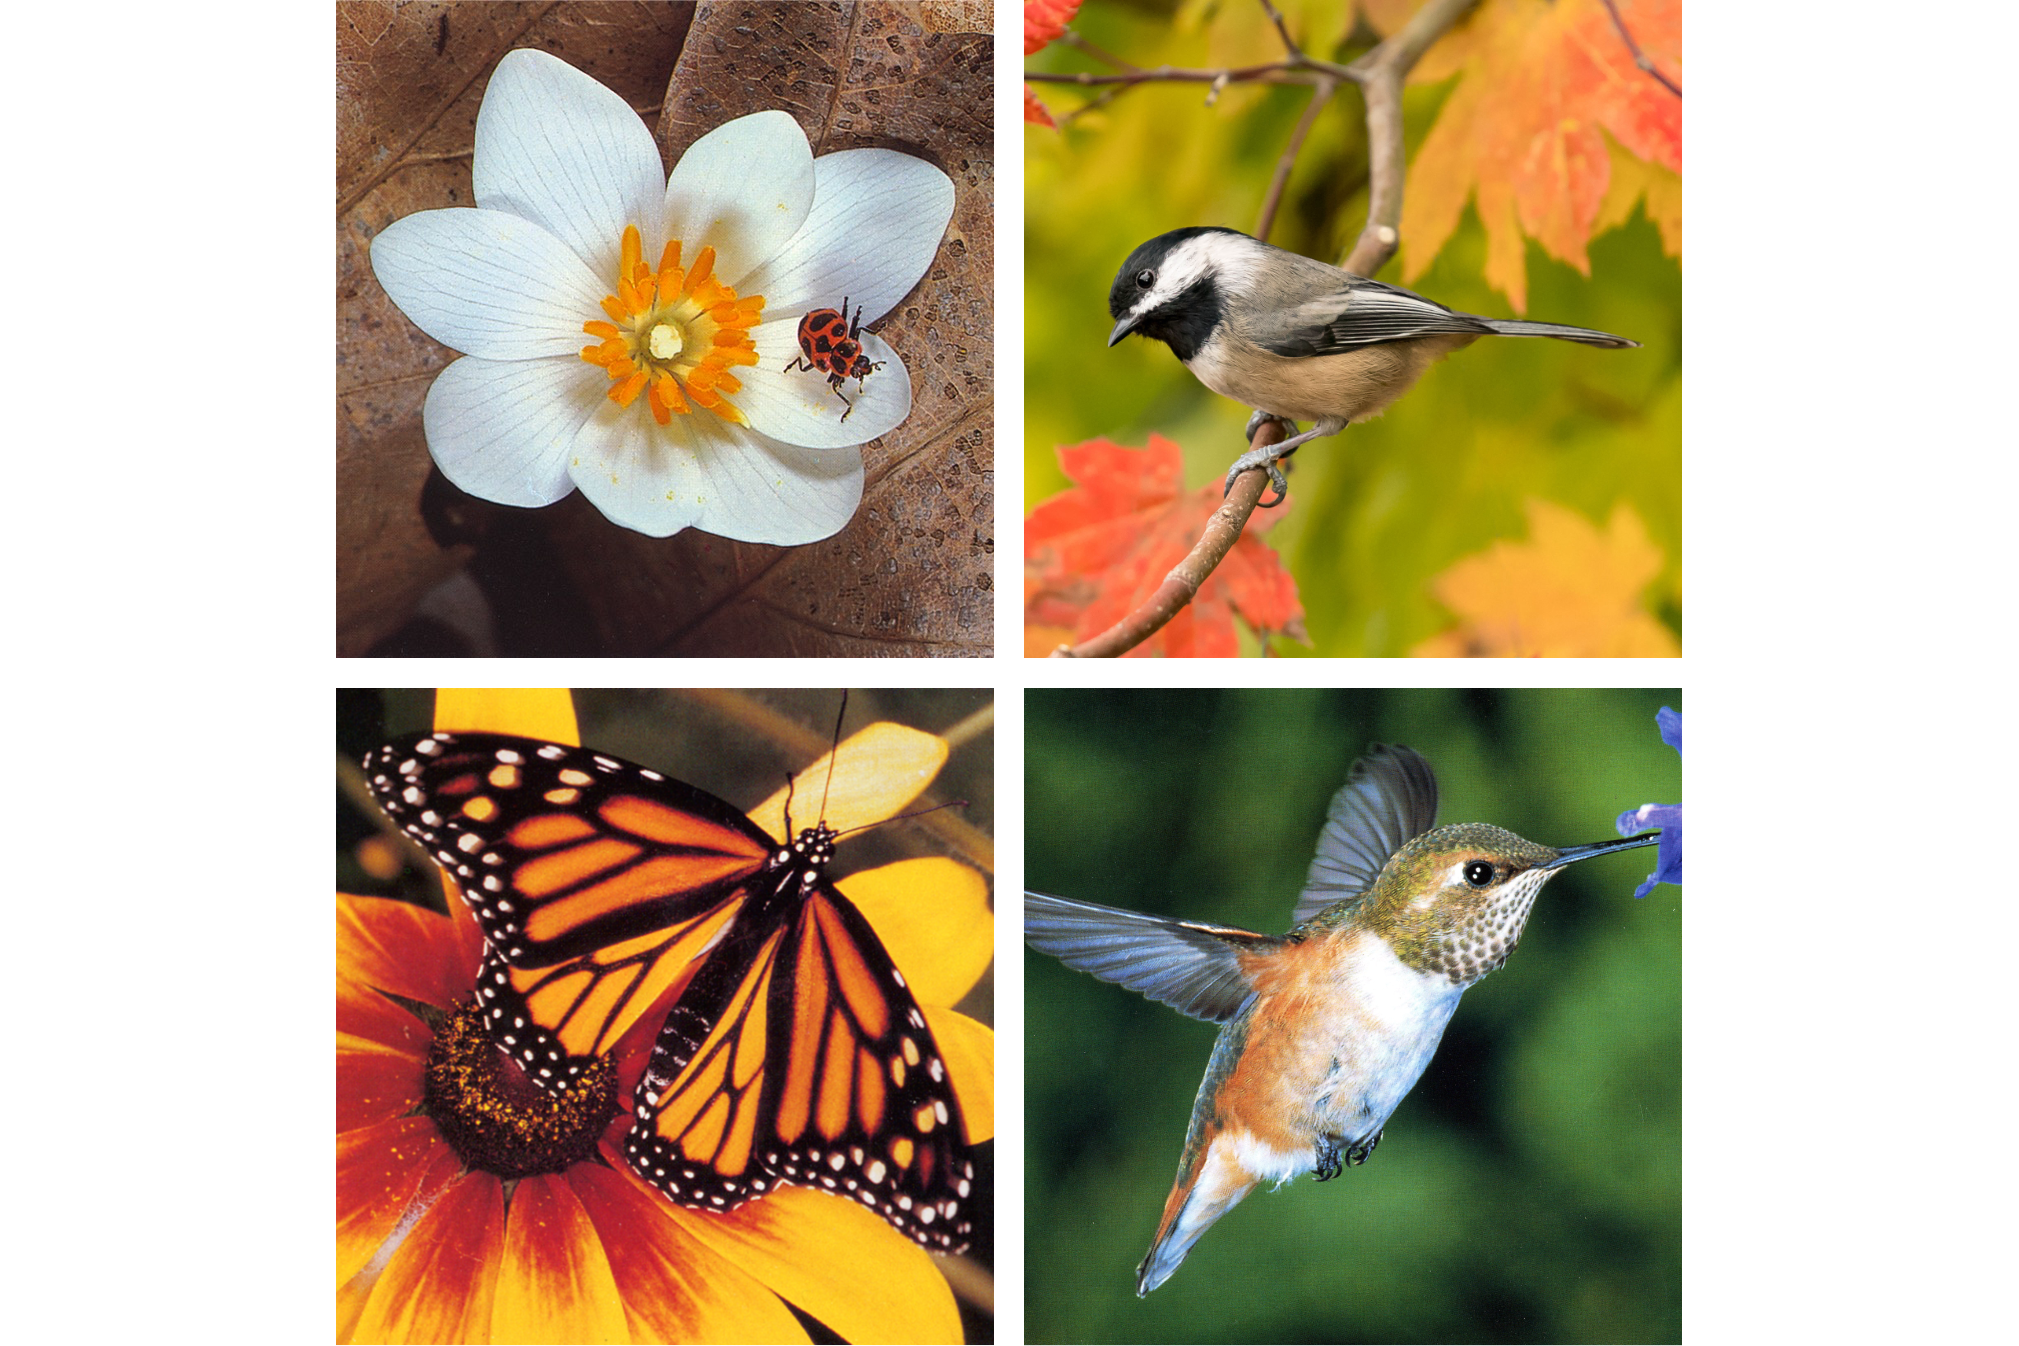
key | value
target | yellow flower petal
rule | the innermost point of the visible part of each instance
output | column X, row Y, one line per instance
column 876, row 773
column 535, row 712
column 968, row 1048
column 932, row 916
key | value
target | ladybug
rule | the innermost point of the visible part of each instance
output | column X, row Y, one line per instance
column 829, row 343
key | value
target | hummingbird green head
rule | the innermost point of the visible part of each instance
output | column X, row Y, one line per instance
column 1325, row 1029
column 1453, row 902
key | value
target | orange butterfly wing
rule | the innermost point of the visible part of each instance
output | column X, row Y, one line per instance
column 799, row 1055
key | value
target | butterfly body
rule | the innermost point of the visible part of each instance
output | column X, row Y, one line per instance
column 788, row 1049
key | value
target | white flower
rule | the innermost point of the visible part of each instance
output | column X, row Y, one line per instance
column 680, row 412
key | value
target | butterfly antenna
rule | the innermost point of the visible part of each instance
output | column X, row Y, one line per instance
column 950, row 804
column 833, row 753
column 828, row 787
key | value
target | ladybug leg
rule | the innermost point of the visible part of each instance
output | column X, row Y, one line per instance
column 834, row 382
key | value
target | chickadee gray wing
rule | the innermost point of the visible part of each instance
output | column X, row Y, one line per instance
column 1363, row 313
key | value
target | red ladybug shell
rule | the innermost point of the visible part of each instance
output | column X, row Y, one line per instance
column 829, row 343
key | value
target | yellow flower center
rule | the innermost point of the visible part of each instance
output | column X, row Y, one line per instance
column 673, row 335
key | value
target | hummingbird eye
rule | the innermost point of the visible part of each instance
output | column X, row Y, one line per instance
column 1478, row 873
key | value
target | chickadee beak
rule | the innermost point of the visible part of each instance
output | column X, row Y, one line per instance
column 1122, row 329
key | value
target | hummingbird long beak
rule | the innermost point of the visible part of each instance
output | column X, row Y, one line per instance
column 1572, row 853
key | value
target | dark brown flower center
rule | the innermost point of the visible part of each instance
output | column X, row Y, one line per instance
column 498, row 1120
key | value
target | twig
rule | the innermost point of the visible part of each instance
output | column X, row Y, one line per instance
column 1638, row 58
column 1320, row 96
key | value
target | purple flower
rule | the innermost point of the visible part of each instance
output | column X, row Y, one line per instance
column 1668, row 817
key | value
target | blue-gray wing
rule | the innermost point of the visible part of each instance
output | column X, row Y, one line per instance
column 1362, row 313
column 1192, row 967
column 1389, row 797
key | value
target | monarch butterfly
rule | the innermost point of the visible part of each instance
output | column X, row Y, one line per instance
column 794, row 1054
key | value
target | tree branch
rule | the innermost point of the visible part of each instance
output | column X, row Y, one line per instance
column 1638, row 59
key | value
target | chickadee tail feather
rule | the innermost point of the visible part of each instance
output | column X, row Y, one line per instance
column 1582, row 335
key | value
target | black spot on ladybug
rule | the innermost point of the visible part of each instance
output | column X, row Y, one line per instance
column 828, row 344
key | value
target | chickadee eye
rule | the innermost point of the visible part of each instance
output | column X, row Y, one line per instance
column 1478, row 873
column 1145, row 279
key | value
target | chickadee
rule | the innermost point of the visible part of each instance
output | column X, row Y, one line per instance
column 1295, row 339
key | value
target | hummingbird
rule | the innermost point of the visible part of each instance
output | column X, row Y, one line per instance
column 1325, row 1029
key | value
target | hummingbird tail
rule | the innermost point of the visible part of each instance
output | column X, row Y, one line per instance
column 1205, row 1190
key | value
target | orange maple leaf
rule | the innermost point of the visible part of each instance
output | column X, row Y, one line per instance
column 1044, row 20
column 1034, row 111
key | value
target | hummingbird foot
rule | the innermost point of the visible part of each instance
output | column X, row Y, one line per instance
column 1335, row 1156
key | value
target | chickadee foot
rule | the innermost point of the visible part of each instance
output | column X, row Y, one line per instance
column 1266, row 459
column 1257, row 420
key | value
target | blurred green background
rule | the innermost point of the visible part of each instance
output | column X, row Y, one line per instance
column 1528, row 1189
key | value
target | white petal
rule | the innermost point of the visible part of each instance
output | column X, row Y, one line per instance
column 557, row 148
column 487, row 283
column 503, row 430
column 745, row 189
column 877, row 220
column 802, row 408
column 702, row 473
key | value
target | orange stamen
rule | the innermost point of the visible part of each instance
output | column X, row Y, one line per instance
column 632, row 251
column 710, row 322
column 626, row 392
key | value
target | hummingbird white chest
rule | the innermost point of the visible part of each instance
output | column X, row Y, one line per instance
column 1336, row 1039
